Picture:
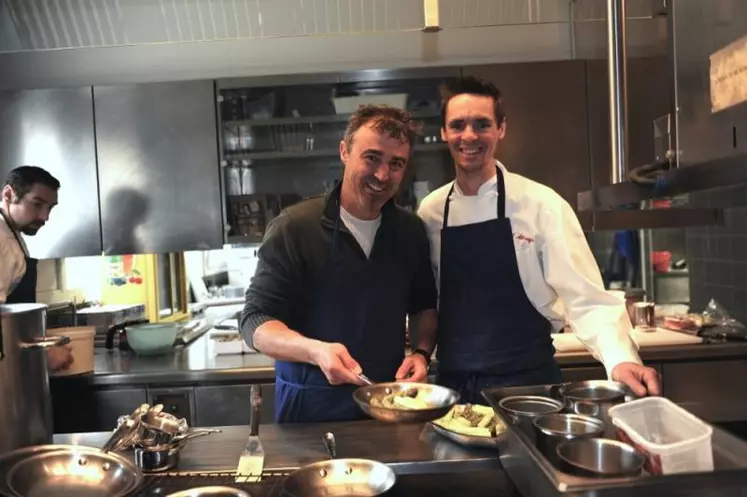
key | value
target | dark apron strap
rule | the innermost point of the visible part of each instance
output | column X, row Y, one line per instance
column 500, row 208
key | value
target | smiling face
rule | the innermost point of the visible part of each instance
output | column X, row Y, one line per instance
column 374, row 167
column 472, row 131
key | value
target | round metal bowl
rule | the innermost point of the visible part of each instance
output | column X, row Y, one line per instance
column 340, row 477
column 553, row 429
column 594, row 391
column 600, row 457
column 214, row 491
column 74, row 472
column 440, row 400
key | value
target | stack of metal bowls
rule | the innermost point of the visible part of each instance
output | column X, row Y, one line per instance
column 571, row 427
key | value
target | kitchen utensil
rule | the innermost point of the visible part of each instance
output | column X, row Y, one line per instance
column 439, row 401
column 67, row 472
column 195, row 433
column 252, row 459
column 158, row 458
column 25, row 401
column 340, row 477
column 128, row 430
column 594, row 398
column 159, row 428
column 469, row 440
column 552, row 429
column 521, row 410
column 152, row 338
column 599, row 457
column 214, row 491
column 644, row 317
column 81, row 341
column 365, row 379
column 9, row 460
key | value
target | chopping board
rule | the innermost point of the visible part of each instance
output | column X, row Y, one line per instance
column 568, row 342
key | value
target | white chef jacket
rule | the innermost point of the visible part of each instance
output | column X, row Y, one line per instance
column 12, row 260
column 560, row 275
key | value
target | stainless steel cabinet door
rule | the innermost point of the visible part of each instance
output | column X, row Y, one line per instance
column 53, row 129
column 158, row 167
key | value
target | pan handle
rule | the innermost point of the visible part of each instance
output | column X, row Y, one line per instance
column 330, row 445
column 46, row 343
column 2, row 351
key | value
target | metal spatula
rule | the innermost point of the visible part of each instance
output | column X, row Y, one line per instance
column 252, row 459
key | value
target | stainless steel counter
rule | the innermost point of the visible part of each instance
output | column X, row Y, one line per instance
column 196, row 364
column 409, row 449
column 192, row 364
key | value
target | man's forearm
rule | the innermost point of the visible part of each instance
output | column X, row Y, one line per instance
column 275, row 339
column 423, row 327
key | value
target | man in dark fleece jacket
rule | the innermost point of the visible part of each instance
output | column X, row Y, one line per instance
column 337, row 277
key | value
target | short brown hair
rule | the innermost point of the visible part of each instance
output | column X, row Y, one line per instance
column 394, row 122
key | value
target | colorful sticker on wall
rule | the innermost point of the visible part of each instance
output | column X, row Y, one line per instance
column 122, row 270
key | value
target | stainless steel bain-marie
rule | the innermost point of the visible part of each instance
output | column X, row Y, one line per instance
column 25, row 402
column 616, row 469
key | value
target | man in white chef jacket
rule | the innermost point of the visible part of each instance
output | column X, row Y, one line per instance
column 512, row 264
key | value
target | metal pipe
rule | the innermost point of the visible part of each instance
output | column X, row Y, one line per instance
column 618, row 88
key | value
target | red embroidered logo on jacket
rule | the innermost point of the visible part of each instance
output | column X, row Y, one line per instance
column 524, row 238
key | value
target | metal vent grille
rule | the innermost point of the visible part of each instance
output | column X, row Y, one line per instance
column 55, row 24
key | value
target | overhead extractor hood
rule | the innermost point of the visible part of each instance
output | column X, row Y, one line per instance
column 708, row 149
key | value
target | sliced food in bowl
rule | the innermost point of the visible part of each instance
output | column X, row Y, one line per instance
column 408, row 399
column 472, row 419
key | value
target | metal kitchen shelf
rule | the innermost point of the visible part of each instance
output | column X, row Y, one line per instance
column 303, row 154
column 332, row 118
column 613, row 220
column 718, row 173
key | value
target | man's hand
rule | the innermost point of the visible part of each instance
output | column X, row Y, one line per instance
column 336, row 363
column 59, row 358
column 640, row 379
column 413, row 368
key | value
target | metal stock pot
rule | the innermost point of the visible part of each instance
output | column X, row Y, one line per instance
column 25, row 401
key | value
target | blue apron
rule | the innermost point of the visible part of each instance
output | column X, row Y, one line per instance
column 361, row 303
column 489, row 333
column 25, row 291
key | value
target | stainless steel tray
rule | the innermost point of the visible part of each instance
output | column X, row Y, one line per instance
column 469, row 440
column 533, row 475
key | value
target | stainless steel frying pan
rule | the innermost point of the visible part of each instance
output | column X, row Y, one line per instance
column 339, row 477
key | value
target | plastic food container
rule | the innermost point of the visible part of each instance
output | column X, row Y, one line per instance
column 81, row 341
column 671, row 439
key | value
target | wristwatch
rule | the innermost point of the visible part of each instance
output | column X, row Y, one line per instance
column 425, row 355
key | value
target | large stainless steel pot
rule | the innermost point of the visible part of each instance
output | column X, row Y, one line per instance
column 25, row 403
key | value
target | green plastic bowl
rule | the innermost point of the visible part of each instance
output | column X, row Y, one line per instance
column 152, row 338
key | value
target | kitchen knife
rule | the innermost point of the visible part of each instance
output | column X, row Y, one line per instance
column 252, row 459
